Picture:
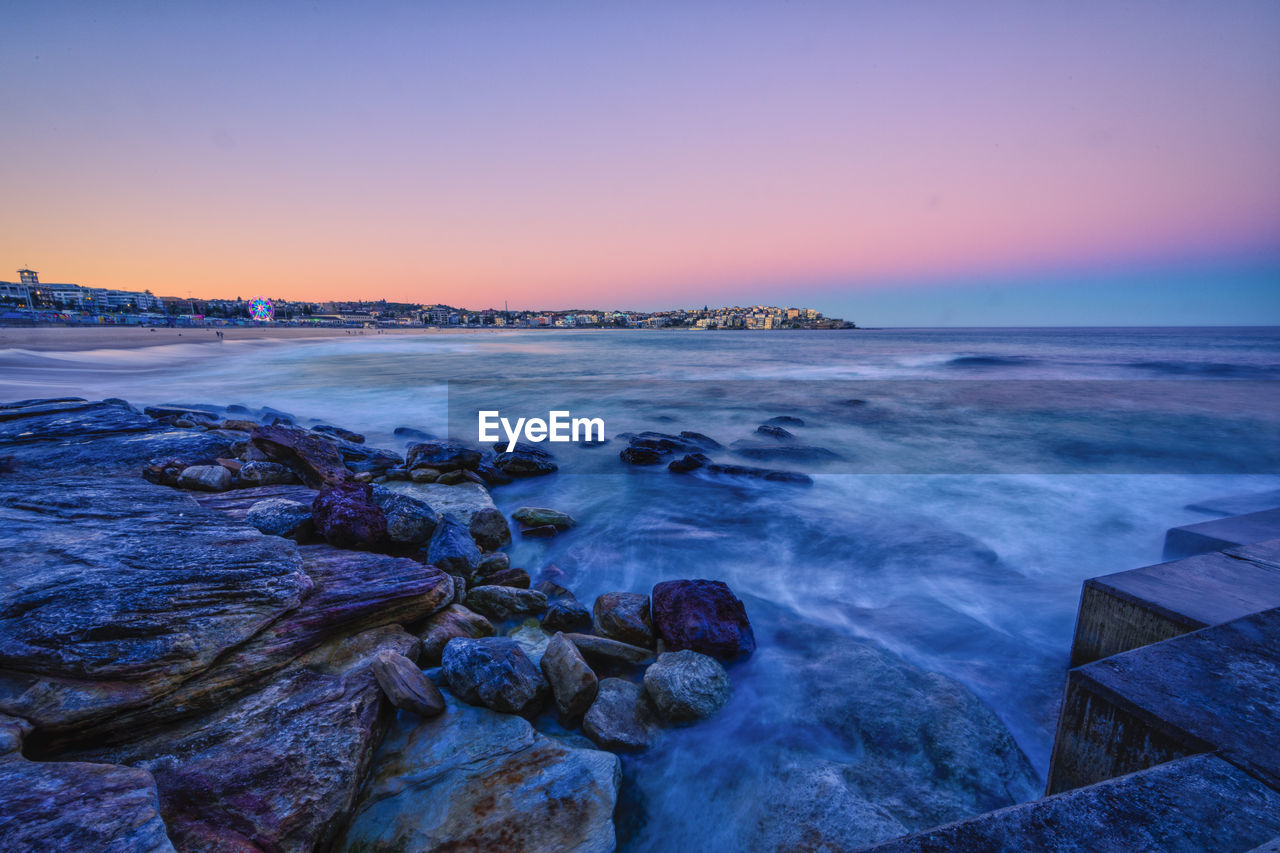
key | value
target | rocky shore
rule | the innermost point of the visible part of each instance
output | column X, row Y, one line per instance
column 222, row 630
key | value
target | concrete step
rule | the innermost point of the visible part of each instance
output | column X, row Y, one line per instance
column 1130, row 609
column 1185, row 806
column 1221, row 533
column 1213, row 690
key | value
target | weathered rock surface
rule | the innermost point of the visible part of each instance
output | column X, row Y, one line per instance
column 623, row 616
column 573, row 683
column 702, row 615
column 504, row 602
column 502, row 577
column 496, row 673
column 405, row 686
column 314, row 459
column 346, row 516
column 489, row 529
column 604, row 650
column 686, row 686
column 339, row 432
column 452, row 548
column 564, row 612
column 475, row 780
column 410, row 521
column 622, row 718
column 775, row 431
column 534, row 516
column 525, row 462
column 265, row 474
column 453, row 621
column 205, row 478
column 280, row 517
column 442, row 455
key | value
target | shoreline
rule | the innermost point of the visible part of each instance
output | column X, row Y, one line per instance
column 78, row 339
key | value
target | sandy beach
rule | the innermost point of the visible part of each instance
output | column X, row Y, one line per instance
column 78, row 338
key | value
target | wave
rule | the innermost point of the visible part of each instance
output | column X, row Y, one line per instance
column 992, row 361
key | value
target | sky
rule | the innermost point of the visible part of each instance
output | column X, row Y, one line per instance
column 897, row 163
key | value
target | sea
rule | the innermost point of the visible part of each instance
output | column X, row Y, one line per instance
column 964, row 481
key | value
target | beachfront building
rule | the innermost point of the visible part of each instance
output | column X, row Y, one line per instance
column 29, row 290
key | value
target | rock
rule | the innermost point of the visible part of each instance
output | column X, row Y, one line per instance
column 452, row 478
column 338, row 432
column 195, row 412
column 475, row 780
column 784, row 452
column 504, row 602
column 405, row 686
column 205, row 478
column 702, row 615
column 164, row 472
column 265, row 474
column 641, row 455
column 232, row 465
column 451, row 622
column 74, row 806
column 512, row 577
column 491, row 474
column 412, row 434
column 346, row 516
column 705, row 442
column 366, row 460
column 280, row 517
column 463, row 501
column 409, row 521
column 688, row 462
column 13, row 731
column 604, row 650
column 424, row 475
column 533, row 516
column 686, row 686
column 546, row 531
column 314, row 459
column 573, row 684
column 362, row 477
column 496, row 673
column 488, row 527
column 531, row 639
column 786, row 420
column 525, row 462
column 623, row 616
column 493, row 562
column 774, row 431
column 622, row 718
column 442, row 455
column 453, row 549
column 565, row 614
column 238, row 425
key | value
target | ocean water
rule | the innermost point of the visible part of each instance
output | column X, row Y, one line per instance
column 976, row 478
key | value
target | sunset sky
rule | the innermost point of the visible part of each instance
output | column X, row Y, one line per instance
column 898, row 163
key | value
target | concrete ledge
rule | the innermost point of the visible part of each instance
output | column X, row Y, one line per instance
column 1185, row 806
column 1127, row 610
column 1221, row 533
column 1212, row 690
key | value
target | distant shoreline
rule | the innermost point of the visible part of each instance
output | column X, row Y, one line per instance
column 80, row 338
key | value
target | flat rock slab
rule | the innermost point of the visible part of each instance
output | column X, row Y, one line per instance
column 79, row 806
column 472, row 779
column 1211, row 689
column 236, row 503
column 462, row 501
column 117, row 580
column 1185, row 806
column 1221, row 533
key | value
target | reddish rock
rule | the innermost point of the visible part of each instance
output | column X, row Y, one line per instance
column 316, row 461
column 624, row 616
column 346, row 516
column 704, row 616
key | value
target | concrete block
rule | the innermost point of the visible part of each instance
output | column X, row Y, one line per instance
column 1221, row 533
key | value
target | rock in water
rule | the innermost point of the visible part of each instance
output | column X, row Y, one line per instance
column 346, row 516
column 624, row 616
column 205, row 478
column 704, row 616
column 622, row 718
column 525, row 462
column 686, row 686
column 473, row 780
column 315, row 460
column 454, row 621
column 504, row 602
column 533, row 516
column 265, row 474
column 573, row 684
column 280, row 517
column 409, row 521
column 489, row 529
column 453, row 549
column 496, row 673
column 405, row 685
column 605, row 650
column 442, row 456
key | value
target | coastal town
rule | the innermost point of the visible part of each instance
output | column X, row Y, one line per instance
column 29, row 301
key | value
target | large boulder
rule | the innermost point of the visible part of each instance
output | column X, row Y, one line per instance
column 686, row 686
column 405, row 686
column 280, row 517
column 564, row 612
column 623, row 616
column 622, row 718
column 205, row 478
column 702, row 615
column 410, row 522
column 314, row 459
column 573, row 684
column 606, row 651
column 452, row 548
column 504, row 602
column 489, row 529
column 534, row 516
column 496, row 673
column 453, row 621
column 442, row 455
column 264, row 474
column 475, row 780
column 346, row 516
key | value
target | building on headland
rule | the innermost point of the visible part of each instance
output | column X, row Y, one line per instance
column 29, row 291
